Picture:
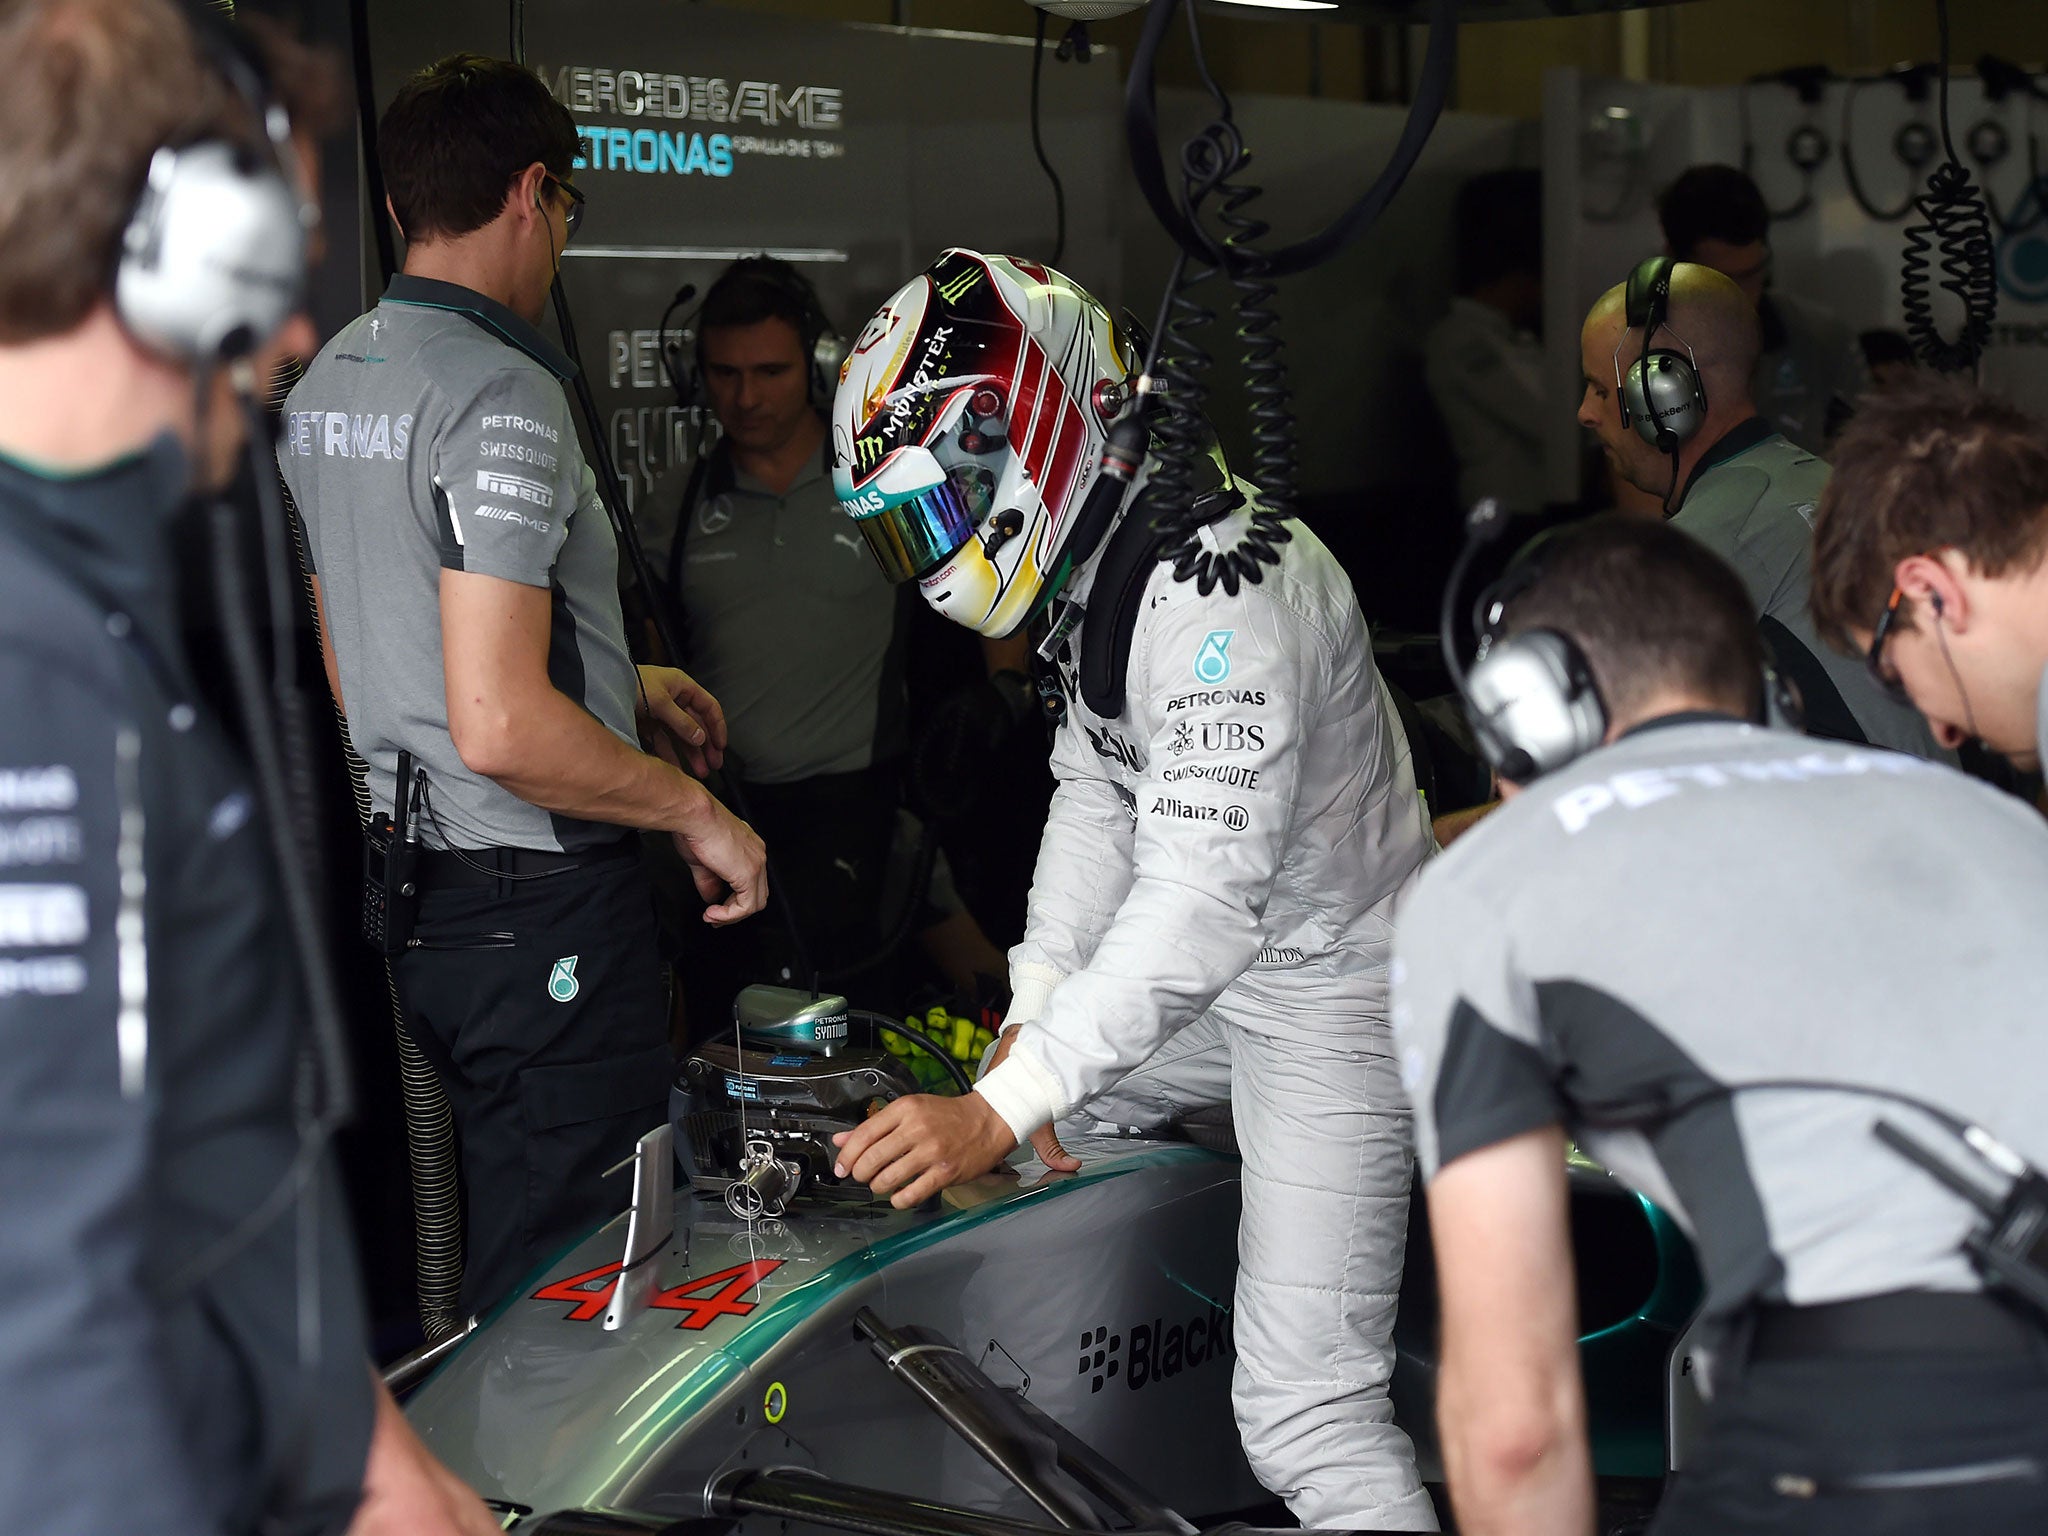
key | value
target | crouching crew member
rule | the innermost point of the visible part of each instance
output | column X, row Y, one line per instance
column 1594, row 961
column 1931, row 559
column 467, row 583
column 1235, row 810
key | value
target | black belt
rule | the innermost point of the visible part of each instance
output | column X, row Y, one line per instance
column 447, row 868
column 1898, row 1322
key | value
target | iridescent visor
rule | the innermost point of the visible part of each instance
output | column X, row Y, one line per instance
column 915, row 536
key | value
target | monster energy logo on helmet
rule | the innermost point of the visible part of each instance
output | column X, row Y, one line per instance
column 954, row 289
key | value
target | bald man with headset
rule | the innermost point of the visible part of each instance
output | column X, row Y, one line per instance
column 1668, row 357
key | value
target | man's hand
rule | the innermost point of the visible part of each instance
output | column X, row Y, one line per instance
column 406, row 1490
column 918, row 1146
column 1043, row 1142
column 726, row 858
column 676, row 700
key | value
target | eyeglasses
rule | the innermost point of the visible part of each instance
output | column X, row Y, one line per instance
column 574, row 217
column 1873, row 658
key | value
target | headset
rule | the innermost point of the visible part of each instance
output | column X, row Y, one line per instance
column 212, row 260
column 823, row 347
column 1662, row 394
column 1532, row 698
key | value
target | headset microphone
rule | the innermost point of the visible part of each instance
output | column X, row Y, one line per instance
column 672, row 351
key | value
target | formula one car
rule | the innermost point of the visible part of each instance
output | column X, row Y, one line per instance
column 1029, row 1354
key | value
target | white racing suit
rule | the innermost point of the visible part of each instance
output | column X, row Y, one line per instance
column 1209, row 920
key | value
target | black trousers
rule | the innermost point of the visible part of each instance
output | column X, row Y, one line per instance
column 828, row 838
column 542, row 1005
column 1876, row 1445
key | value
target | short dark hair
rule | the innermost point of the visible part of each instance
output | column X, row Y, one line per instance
column 1497, row 227
column 757, row 288
column 1934, row 464
column 1653, row 609
column 1712, row 202
column 458, row 135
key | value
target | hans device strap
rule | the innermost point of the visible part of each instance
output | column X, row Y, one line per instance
column 1118, row 596
column 1662, row 395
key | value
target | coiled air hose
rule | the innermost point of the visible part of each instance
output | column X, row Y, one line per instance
column 1211, row 167
column 1955, row 232
column 429, row 1122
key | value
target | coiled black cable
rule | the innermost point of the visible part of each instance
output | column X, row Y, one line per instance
column 1211, row 162
column 1955, row 230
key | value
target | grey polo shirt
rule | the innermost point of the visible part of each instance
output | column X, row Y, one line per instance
column 1706, row 903
column 432, row 434
column 1751, row 501
column 789, row 623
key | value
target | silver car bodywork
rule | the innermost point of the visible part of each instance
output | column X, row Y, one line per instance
column 1104, row 1297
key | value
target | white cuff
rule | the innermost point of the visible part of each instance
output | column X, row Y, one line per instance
column 1023, row 1092
column 1031, row 985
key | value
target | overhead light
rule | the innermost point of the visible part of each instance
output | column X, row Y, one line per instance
column 1285, row 5
column 1086, row 10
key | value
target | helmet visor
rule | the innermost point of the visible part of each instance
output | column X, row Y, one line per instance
column 916, row 535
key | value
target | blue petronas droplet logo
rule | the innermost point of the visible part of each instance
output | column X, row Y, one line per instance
column 1212, row 661
column 562, row 983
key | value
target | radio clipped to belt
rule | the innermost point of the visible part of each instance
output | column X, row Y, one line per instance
column 391, row 847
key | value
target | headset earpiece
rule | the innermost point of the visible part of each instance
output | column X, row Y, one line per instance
column 213, row 257
column 1534, row 704
column 1532, row 699
column 1662, row 394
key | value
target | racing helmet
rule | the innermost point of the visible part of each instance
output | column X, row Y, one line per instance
column 968, row 427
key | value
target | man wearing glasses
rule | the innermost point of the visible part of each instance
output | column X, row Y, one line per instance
column 1929, row 560
column 466, row 577
column 1809, row 368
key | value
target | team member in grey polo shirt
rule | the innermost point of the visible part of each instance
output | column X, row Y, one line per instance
column 785, row 618
column 1931, row 558
column 1595, row 960
column 1738, row 487
column 466, row 577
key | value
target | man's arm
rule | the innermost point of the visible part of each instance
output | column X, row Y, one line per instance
column 511, row 725
column 81, row 1349
column 1204, row 852
column 1189, row 917
column 406, row 1489
column 1511, row 1411
column 1081, row 876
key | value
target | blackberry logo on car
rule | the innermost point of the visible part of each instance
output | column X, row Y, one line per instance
column 1102, row 1361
